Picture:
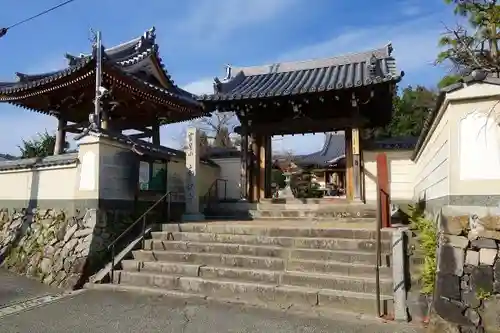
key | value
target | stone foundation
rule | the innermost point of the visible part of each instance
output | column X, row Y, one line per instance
column 56, row 247
column 467, row 291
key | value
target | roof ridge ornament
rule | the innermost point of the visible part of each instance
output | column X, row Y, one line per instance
column 389, row 48
column 372, row 65
column 217, row 85
column 150, row 34
column 148, row 39
column 228, row 73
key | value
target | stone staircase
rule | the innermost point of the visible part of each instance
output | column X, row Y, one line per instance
column 262, row 263
column 279, row 209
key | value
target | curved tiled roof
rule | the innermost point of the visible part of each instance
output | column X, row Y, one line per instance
column 27, row 82
column 122, row 58
column 36, row 162
column 342, row 72
column 332, row 152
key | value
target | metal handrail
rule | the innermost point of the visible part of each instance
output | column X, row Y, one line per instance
column 215, row 184
column 378, row 247
column 142, row 219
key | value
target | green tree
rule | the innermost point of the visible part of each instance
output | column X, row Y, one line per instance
column 410, row 109
column 41, row 146
column 478, row 49
column 448, row 80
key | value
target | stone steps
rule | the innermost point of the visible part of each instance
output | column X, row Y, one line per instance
column 264, row 262
column 276, row 231
column 284, row 296
column 326, row 301
column 289, row 276
column 309, row 213
column 280, row 265
column 338, row 268
column 213, row 259
column 254, row 246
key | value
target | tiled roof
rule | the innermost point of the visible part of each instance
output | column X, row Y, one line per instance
column 28, row 163
column 26, row 82
column 332, row 152
column 402, row 142
column 149, row 148
column 343, row 72
column 132, row 59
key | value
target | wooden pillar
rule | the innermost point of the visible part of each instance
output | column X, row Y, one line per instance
column 60, row 136
column 254, row 169
column 156, row 132
column 262, row 166
column 349, row 164
column 244, row 161
column 269, row 166
column 356, row 164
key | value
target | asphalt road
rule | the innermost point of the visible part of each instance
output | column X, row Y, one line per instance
column 96, row 311
column 15, row 288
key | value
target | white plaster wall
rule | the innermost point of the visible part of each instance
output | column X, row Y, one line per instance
column 401, row 174
column 53, row 183
column 475, row 148
column 432, row 166
column 176, row 175
column 230, row 170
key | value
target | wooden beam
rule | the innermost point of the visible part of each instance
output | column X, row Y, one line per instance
column 131, row 123
column 146, row 134
column 76, row 128
column 306, row 125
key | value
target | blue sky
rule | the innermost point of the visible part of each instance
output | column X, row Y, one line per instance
column 198, row 37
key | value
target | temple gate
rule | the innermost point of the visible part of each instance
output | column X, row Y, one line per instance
column 348, row 93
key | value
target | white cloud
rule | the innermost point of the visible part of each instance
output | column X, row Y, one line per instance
column 410, row 7
column 414, row 42
column 200, row 87
column 212, row 20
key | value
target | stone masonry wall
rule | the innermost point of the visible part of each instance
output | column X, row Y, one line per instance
column 55, row 247
column 467, row 291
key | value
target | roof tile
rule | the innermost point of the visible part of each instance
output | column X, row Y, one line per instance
column 343, row 72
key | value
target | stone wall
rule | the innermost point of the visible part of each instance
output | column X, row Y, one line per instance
column 56, row 247
column 467, row 291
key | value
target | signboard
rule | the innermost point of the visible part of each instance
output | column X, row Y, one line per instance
column 355, row 141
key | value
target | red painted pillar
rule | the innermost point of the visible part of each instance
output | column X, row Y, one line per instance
column 384, row 190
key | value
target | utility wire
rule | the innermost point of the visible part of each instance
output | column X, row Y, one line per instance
column 3, row 31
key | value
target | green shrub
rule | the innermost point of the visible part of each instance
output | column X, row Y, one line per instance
column 427, row 235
